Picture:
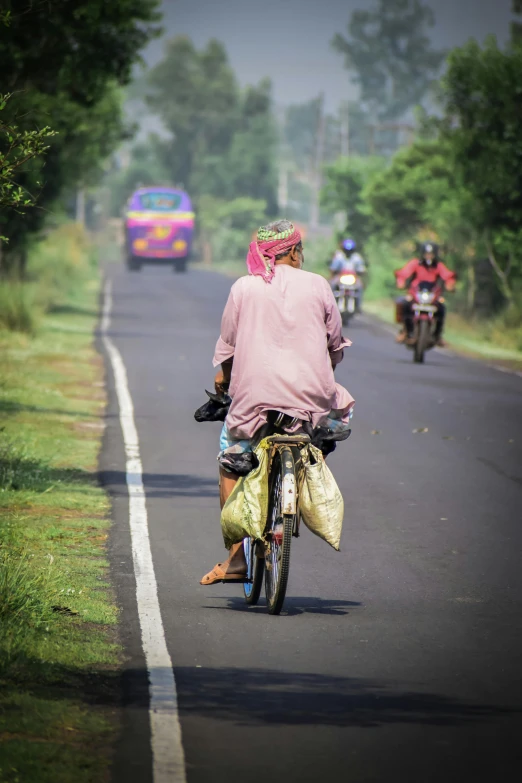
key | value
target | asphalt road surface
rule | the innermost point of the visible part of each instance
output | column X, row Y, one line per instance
column 397, row 659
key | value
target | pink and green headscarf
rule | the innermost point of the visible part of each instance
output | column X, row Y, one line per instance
column 262, row 253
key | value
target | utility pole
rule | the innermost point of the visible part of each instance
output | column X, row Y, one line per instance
column 345, row 129
column 282, row 194
column 80, row 206
column 317, row 168
column 371, row 139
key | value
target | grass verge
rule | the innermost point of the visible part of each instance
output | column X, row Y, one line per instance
column 59, row 653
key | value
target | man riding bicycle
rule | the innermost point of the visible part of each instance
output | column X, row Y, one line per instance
column 281, row 339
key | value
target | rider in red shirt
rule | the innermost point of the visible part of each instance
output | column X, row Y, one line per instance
column 429, row 268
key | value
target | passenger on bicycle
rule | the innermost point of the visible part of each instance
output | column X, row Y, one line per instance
column 281, row 339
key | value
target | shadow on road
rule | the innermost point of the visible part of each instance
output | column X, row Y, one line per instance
column 293, row 605
column 265, row 696
column 162, row 485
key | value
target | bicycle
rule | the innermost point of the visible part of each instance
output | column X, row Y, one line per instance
column 270, row 558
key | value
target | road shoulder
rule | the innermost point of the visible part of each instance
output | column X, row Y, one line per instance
column 60, row 654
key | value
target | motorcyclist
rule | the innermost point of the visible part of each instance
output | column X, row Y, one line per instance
column 428, row 268
column 346, row 259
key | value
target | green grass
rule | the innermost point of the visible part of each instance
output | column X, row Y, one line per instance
column 19, row 312
column 59, row 651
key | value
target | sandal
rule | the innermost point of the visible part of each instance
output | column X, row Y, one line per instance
column 219, row 575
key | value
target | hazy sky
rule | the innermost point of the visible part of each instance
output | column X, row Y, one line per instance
column 289, row 40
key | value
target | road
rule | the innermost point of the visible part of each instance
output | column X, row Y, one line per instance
column 397, row 659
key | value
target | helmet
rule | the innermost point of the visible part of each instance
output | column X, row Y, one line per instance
column 429, row 247
column 348, row 245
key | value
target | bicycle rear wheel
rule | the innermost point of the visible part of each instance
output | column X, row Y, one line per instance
column 255, row 568
column 279, row 530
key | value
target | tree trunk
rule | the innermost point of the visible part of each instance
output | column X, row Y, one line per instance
column 80, row 206
column 472, row 287
column 501, row 275
column 317, row 170
column 207, row 252
column 22, row 264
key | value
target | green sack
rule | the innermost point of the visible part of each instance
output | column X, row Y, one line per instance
column 320, row 500
column 245, row 511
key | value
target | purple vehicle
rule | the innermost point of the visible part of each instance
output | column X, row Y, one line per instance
column 159, row 226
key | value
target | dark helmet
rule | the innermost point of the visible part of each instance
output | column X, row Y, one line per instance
column 348, row 244
column 429, row 247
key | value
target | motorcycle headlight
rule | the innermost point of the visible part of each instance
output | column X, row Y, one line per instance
column 348, row 279
column 426, row 297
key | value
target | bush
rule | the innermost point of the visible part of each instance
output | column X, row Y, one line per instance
column 25, row 591
column 383, row 259
column 61, row 261
column 19, row 311
column 56, row 267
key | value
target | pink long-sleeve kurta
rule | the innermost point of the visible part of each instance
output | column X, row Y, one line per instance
column 283, row 336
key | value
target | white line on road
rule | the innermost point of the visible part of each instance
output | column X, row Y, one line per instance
column 167, row 749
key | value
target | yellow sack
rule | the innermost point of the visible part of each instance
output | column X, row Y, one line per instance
column 320, row 499
column 245, row 511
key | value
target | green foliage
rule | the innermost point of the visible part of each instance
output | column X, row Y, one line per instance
column 195, row 94
column 345, row 181
column 16, row 149
column 18, row 309
column 483, row 91
column 74, row 48
column 222, row 139
column 144, row 170
column 56, row 267
column 516, row 26
column 44, row 49
column 226, row 227
column 389, row 51
column 445, row 186
column 25, row 593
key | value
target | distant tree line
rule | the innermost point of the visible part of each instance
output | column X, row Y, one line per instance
column 220, row 145
column 459, row 182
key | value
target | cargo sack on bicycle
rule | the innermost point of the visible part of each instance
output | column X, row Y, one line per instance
column 320, row 500
column 245, row 511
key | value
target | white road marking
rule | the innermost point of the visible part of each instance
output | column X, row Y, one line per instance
column 167, row 748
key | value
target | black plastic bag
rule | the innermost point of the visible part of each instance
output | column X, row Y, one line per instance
column 241, row 464
column 215, row 409
column 326, row 440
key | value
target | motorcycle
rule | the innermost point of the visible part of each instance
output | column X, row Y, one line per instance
column 346, row 291
column 425, row 300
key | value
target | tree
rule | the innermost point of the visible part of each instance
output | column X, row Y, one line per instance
column 16, row 149
column 195, row 94
column 144, row 169
column 516, row 26
column 222, row 139
column 483, row 94
column 390, row 54
column 345, row 181
column 43, row 52
column 226, row 226
column 74, row 47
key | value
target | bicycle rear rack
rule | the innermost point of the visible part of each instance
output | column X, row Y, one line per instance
column 289, row 440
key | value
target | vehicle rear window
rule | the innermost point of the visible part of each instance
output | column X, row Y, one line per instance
column 160, row 202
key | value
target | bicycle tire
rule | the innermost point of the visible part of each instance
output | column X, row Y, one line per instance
column 277, row 554
column 256, row 567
